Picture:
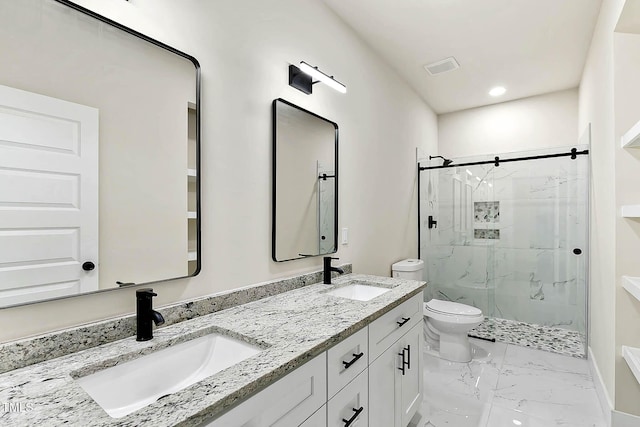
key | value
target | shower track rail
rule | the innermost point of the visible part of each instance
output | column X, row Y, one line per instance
column 574, row 153
column 496, row 161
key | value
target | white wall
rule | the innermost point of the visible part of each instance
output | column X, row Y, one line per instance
column 542, row 121
column 245, row 47
column 596, row 107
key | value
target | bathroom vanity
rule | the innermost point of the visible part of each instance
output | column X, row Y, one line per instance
column 322, row 355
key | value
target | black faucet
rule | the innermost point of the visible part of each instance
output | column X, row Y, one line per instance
column 145, row 314
column 328, row 269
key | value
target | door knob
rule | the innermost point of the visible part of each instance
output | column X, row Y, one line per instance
column 88, row 266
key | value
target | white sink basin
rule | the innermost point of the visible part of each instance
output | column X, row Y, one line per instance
column 125, row 388
column 358, row 291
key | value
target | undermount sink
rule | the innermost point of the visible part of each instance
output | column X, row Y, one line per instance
column 358, row 291
column 127, row 387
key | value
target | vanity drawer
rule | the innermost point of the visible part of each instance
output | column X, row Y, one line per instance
column 351, row 404
column 386, row 330
column 346, row 360
column 287, row 402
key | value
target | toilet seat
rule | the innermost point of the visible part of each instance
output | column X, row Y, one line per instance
column 452, row 308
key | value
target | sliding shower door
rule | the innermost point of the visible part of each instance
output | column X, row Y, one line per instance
column 540, row 258
column 459, row 250
column 512, row 241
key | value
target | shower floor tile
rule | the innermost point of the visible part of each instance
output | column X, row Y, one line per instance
column 555, row 340
column 506, row 382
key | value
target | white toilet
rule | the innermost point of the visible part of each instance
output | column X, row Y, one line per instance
column 446, row 323
column 446, row 327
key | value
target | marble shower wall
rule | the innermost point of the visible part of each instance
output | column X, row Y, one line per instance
column 506, row 236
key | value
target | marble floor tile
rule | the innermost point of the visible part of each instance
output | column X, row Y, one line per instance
column 504, row 417
column 470, row 380
column 508, row 385
column 561, row 397
column 535, row 359
column 451, row 410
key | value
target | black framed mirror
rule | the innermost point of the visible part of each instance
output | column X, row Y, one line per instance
column 305, row 183
column 99, row 155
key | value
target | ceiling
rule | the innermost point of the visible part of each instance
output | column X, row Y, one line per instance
column 530, row 47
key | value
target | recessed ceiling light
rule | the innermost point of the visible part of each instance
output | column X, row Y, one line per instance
column 497, row 91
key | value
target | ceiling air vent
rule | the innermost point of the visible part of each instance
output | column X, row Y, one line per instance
column 439, row 67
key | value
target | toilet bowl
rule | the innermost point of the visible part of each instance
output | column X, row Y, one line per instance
column 447, row 325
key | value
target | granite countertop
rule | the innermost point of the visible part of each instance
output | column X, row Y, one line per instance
column 292, row 327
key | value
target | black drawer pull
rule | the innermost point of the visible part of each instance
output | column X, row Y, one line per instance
column 352, row 361
column 350, row 421
column 404, row 320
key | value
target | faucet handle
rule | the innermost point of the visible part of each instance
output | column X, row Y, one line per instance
column 145, row 292
column 330, row 257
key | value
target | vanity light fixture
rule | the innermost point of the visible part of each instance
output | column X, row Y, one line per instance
column 497, row 91
column 302, row 78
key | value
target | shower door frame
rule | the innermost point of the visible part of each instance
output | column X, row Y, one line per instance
column 573, row 153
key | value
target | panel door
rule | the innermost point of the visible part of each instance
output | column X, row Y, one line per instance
column 48, row 197
column 384, row 389
column 412, row 380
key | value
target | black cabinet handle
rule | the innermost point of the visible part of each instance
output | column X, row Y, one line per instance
column 88, row 266
column 408, row 356
column 352, row 361
column 403, row 364
column 404, row 320
column 350, row 421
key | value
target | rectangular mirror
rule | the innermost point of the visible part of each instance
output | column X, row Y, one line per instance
column 305, row 183
column 99, row 155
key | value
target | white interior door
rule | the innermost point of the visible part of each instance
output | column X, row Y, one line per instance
column 48, row 197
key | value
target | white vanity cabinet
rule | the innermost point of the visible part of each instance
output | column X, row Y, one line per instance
column 318, row 419
column 395, row 377
column 372, row 378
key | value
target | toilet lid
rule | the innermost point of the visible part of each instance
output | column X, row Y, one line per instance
column 454, row 308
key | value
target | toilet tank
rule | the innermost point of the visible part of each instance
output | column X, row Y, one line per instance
column 408, row 269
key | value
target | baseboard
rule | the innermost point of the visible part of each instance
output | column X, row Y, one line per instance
column 622, row 419
column 603, row 396
column 612, row 417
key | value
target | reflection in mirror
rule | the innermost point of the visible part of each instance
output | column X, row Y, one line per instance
column 305, row 183
column 99, row 140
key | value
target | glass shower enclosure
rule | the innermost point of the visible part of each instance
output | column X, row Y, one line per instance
column 510, row 237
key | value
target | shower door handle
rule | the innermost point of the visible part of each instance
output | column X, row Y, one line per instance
column 432, row 222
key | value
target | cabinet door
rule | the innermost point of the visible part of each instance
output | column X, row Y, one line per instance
column 395, row 396
column 384, row 389
column 412, row 380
